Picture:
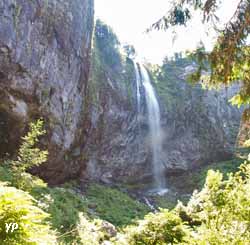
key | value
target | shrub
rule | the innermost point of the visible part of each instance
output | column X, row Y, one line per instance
column 18, row 207
column 221, row 210
column 161, row 228
column 218, row 214
column 94, row 232
column 225, row 207
column 29, row 155
column 63, row 206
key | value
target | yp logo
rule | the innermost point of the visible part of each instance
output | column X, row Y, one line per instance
column 11, row 227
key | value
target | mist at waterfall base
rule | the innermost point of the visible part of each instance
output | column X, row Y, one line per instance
column 155, row 131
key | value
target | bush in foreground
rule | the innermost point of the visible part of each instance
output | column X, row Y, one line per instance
column 218, row 214
column 18, row 207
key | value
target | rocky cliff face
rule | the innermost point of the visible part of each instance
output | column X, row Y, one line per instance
column 202, row 127
column 44, row 66
column 94, row 130
column 114, row 150
column 199, row 127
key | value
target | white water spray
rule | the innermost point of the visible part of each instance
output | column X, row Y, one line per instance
column 138, row 85
column 154, row 127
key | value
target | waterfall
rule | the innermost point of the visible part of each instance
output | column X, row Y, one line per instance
column 149, row 204
column 155, row 131
column 138, row 84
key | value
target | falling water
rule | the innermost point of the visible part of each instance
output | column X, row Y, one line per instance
column 154, row 127
column 138, row 84
column 149, row 204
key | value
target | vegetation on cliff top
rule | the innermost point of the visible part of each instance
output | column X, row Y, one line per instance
column 110, row 68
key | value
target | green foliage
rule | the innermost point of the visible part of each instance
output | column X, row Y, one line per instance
column 94, row 232
column 169, row 84
column 114, row 206
column 176, row 16
column 64, row 206
column 109, row 68
column 199, row 177
column 127, row 78
column 166, row 202
column 218, row 214
column 19, row 207
column 193, row 180
column 129, row 50
column 29, row 155
column 229, row 60
column 162, row 228
column 107, row 42
column 89, row 231
column 222, row 207
column 6, row 174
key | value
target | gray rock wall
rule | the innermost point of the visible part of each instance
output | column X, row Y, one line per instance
column 115, row 149
column 202, row 129
column 93, row 129
column 44, row 65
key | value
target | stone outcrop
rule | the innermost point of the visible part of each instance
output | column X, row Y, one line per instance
column 115, row 149
column 94, row 131
column 202, row 129
column 44, row 65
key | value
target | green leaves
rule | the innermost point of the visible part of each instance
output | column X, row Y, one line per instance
column 108, row 43
column 29, row 155
column 229, row 60
column 18, row 207
column 115, row 206
column 223, row 208
column 162, row 228
column 240, row 100
column 218, row 214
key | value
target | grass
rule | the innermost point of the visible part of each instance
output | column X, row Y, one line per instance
column 195, row 179
column 5, row 174
column 64, row 205
column 115, row 206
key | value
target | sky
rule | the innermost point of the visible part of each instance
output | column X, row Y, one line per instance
column 130, row 18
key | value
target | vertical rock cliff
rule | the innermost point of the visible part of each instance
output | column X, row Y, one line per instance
column 199, row 126
column 89, row 100
column 44, row 67
column 114, row 150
